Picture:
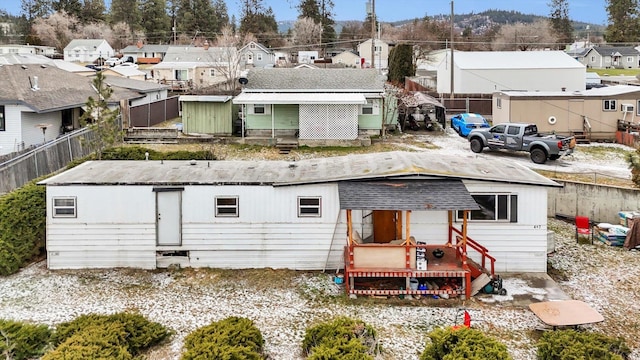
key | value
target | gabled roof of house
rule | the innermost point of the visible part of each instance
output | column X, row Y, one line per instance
column 258, row 45
column 607, row 91
column 612, row 50
column 31, row 59
column 126, row 71
column 87, row 44
column 515, row 60
column 388, row 165
column 316, row 80
column 145, row 48
column 193, row 56
column 56, row 89
column 133, row 84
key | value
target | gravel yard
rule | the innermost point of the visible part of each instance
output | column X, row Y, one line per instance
column 284, row 303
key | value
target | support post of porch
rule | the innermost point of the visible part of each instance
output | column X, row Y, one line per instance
column 407, row 242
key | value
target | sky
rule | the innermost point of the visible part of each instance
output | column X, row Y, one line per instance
column 591, row 11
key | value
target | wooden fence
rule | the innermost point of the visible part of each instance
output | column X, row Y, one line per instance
column 43, row 160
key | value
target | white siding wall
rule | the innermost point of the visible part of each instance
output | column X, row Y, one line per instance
column 32, row 133
column 11, row 138
column 115, row 227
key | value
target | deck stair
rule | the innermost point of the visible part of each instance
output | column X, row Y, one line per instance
column 285, row 145
column 151, row 135
column 581, row 137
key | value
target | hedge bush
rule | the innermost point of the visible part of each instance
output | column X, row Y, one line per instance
column 228, row 339
column 463, row 343
column 20, row 340
column 341, row 339
column 572, row 344
column 22, row 227
column 117, row 336
column 138, row 153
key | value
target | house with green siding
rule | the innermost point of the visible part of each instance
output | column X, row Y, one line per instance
column 318, row 106
column 207, row 114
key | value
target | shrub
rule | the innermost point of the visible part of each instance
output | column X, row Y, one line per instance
column 342, row 338
column 122, row 335
column 572, row 344
column 138, row 153
column 21, row 340
column 231, row 338
column 463, row 343
column 22, row 227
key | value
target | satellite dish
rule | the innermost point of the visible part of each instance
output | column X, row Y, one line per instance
column 243, row 80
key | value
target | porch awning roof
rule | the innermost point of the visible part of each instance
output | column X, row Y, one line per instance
column 418, row 195
column 299, row 98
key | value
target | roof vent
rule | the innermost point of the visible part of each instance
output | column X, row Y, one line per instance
column 34, row 86
column 192, row 162
column 24, row 67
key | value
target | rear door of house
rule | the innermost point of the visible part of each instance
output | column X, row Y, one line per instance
column 169, row 217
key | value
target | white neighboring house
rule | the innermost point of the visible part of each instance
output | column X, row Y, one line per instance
column 485, row 72
column 307, row 57
column 128, row 72
column 149, row 91
column 87, row 50
column 347, row 57
column 27, row 49
column 278, row 214
column 256, row 55
column 40, row 102
column 381, row 52
column 197, row 67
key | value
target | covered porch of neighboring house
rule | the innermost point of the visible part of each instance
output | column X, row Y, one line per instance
column 392, row 259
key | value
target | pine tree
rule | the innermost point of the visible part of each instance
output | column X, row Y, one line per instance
column 103, row 121
column 623, row 21
column 126, row 11
column 93, row 11
column 155, row 21
column 71, row 7
column 401, row 63
column 258, row 20
column 560, row 21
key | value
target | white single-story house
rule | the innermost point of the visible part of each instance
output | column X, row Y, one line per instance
column 485, row 72
column 318, row 105
column 87, row 50
column 40, row 102
column 27, row 49
column 145, row 53
column 593, row 114
column 347, row 57
column 299, row 214
column 381, row 53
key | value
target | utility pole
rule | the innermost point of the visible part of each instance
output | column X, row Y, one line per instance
column 373, row 34
column 452, row 92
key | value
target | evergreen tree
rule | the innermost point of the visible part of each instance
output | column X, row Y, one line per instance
column 326, row 12
column 94, row 11
column 71, row 7
column 155, row 21
column 126, row 11
column 623, row 21
column 309, row 9
column 33, row 9
column 103, row 121
column 258, row 20
column 401, row 63
column 560, row 21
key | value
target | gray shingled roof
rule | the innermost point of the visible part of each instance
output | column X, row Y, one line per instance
column 145, row 48
column 328, row 80
column 89, row 44
column 610, row 50
column 390, row 165
column 406, row 195
column 198, row 54
column 133, row 84
column 57, row 89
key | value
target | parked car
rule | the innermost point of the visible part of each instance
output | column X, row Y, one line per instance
column 465, row 122
column 113, row 61
column 93, row 67
column 128, row 64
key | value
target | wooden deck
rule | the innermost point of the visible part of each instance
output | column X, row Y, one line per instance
column 448, row 273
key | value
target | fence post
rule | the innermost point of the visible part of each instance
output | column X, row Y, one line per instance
column 69, row 146
column 35, row 161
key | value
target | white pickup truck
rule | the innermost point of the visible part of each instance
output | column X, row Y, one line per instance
column 522, row 137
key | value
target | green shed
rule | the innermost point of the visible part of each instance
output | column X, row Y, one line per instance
column 207, row 114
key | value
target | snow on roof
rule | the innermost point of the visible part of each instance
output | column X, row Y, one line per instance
column 515, row 60
column 595, row 92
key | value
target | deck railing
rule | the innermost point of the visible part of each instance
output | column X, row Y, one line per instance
column 483, row 251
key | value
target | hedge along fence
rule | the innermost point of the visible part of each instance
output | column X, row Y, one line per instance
column 230, row 338
column 22, row 227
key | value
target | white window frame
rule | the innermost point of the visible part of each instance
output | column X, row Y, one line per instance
column 227, row 210
column 609, row 105
column 64, row 207
column 259, row 57
column 266, row 109
column 309, row 210
column 508, row 214
column 212, row 72
column 370, row 108
column 499, row 102
column 182, row 72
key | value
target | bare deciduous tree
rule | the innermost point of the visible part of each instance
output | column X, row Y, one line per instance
column 230, row 64
column 56, row 30
column 307, row 33
column 523, row 37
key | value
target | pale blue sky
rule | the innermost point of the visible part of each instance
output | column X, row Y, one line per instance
column 592, row 11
